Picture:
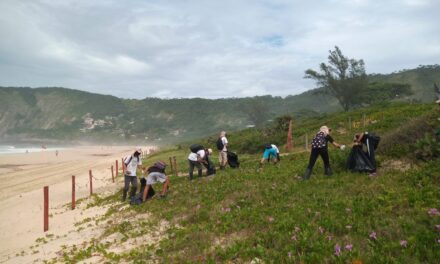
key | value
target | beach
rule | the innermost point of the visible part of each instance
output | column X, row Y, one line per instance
column 22, row 178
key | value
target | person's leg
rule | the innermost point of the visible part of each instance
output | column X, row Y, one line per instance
column 199, row 169
column 144, row 196
column 326, row 160
column 224, row 157
column 134, row 185
column 166, row 184
column 312, row 161
column 191, row 169
column 372, row 157
column 126, row 186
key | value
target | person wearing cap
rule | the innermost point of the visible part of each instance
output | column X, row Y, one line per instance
column 156, row 173
column 270, row 151
column 222, row 146
column 319, row 148
column 132, row 163
column 196, row 159
column 210, row 167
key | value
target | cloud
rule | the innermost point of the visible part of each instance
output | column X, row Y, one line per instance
column 206, row 49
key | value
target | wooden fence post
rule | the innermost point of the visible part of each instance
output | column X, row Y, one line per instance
column 46, row 208
column 123, row 165
column 73, row 192
column 113, row 174
column 117, row 169
column 91, row 182
column 289, row 145
column 171, row 166
column 349, row 123
column 175, row 166
column 363, row 120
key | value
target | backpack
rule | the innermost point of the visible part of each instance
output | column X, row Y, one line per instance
column 319, row 141
column 196, row 147
column 219, row 144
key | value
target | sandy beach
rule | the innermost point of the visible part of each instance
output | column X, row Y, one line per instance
column 22, row 178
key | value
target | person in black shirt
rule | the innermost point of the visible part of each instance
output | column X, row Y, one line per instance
column 319, row 148
column 371, row 143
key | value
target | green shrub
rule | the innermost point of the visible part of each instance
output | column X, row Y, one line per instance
column 426, row 148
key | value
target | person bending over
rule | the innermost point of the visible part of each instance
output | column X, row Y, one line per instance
column 156, row 173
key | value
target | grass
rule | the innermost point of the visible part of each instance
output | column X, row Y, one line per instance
column 271, row 215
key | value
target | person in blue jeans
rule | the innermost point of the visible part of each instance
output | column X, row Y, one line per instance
column 270, row 151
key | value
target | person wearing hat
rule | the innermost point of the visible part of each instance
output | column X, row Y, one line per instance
column 196, row 159
column 132, row 163
column 210, row 167
column 319, row 148
column 156, row 173
column 270, row 150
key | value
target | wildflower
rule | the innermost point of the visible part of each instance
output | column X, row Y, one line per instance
column 403, row 243
column 373, row 235
column 349, row 247
column 433, row 212
column 297, row 229
column 198, row 206
column 309, row 210
column 293, row 238
column 271, row 219
column 329, row 238
column 337, row 250
column 438, row 241
column 348, row 210
column 321, row 230
column 227, row 209
column 289, row 254
column 348, row 226
column 438, row 227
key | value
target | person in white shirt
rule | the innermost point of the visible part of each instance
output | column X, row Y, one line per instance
column 222, row 146
column 196, row 160
column 132, row 163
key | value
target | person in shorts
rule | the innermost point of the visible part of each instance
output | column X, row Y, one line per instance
column 156, row 173
column 270, row 151
column 196, row 160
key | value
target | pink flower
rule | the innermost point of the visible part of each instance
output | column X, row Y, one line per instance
column 348, row 226
column 293, row 238
column 373, row 235
column 349, row 247
column 289, row 254
column 329, row 238
column 227, row 209
column 337, row 250
column 438, row 227
column 270, row 219
column 433, row 212
column 438, row 241
column 297, row 229
column 403, row 243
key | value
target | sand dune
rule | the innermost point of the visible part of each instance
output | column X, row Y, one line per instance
column 22, row 178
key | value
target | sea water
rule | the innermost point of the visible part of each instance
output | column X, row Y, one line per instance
column 11, row 149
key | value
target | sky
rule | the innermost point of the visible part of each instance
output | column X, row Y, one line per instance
column 210, row 49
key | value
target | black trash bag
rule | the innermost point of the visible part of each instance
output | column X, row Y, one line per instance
column 358, row 161
column 137, row 199
column 233, row 160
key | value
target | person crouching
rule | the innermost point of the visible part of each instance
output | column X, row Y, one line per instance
column 156, row 173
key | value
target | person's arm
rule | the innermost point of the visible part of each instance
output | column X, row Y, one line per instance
column 334, row 143
column 359, row 139
column 144, row 195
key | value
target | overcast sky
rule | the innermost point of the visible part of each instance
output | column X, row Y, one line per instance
column 211, row 49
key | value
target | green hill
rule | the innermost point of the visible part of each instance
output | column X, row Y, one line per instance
column 272, row 216
column 65, row 114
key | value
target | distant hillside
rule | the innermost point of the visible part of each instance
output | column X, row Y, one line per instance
column 65, row 114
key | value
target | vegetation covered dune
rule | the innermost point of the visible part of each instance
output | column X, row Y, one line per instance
column 248, row 215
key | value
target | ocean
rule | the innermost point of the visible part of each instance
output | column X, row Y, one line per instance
column 11, row 149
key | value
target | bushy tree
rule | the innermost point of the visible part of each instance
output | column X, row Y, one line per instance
column 343, row 78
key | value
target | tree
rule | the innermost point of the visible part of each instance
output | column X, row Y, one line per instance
column 343, row 78
column 256, row 110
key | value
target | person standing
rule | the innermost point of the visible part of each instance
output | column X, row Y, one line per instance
column 222, row 146
column 319, row 148
column 132, row 163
